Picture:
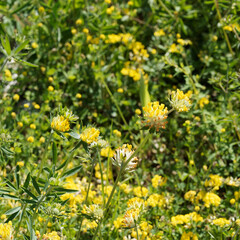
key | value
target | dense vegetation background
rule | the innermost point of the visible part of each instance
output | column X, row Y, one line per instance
column 105, row 61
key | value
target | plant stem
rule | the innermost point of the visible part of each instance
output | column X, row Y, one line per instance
column 123, row 167
column 44, row 157
column 224, row 32
column 137, row 231
column 4, row 63
column 101, row 171
column 85, row 201
column 19, row 224
column 166, row 8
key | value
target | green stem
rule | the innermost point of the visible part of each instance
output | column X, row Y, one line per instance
column 44, row 157
column 101, row 171
column 224, row 32
column 166, row 8
column 137, row 231
column 85, row 201
column 115, row 102
column 4, row 63
column 44, row 228
column 39, row 202
column 19, row 224
column 122, row 169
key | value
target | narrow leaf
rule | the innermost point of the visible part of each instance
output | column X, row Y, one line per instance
column 54, row 152
column 72, row 172
column 13, row 210
column 36, row 185
column 20, row 47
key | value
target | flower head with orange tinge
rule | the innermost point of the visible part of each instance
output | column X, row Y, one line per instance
column 130, row 218
column 155, row 115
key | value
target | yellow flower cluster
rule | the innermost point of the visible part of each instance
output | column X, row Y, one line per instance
column 158, row 181
column 215, row 181
column 144, row 231
column 155, row 115
column 180, row 101
column 116, row 38
column 190, row 195
column 156, row 200
column 87, row 224
column 117, row 133
column 6, row 231
column 184, row 42
column 60, row 124
column 203, row 101
column 135, row 74
column 130, row 217
column 51, row 236
column 140, row 191
column 93, row 210
column 187, row 218
column 90, row 135
column 159, row 33
column 189, row 236
column 139, row 51
column 222, row 222
column 135, row 202
column 107, row 152
column 209, row 198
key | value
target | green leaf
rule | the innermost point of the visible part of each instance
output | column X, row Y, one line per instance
column 64, row 190
column 54, row 152
column 72, row 171
column 17, row 176
column 62, row 165
column 34, row 182
column 24, row 62
column 20, row 47
column 10, row 185
column 77, row 146
column 29, row 193
column 12, row 216
column 26, row 183
column 13, row 210
column 6, row 44
column 144, row 94
column 9, row 196
column 74, row 135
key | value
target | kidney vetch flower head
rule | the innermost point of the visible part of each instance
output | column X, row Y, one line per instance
column 61, row 123
column 90, row 135
column 155, row 115
column 122, row 155
column 180, row 101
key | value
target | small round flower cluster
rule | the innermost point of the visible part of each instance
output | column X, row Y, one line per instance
column 60, row 124
column 155, row 115
column 90, row 135
column 180, row 101
column 6, row 231
column 122, row 155
column 187, row 218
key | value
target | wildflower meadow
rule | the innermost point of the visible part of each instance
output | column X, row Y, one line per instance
column 119, row 119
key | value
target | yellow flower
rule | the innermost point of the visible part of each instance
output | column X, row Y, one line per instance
column 13, row 114
column 26, row 105
column 41, row 9
column 214, row 38
column 6, row 231
column 30, row 139
column 153, row 51
column 51, row 236
column 79, row 22
column 34, row 45
column 36, row 106
column 20, row 164
column 221, row 222
column 107, row 152
column 60, row 123
column 74, row 31
column 78, row 95
column 228, row 28
column 117, row 133
column 180, row 101
column 120, row 90
column 135, row 203
column 50, row 88
column 140, row 191
column 32, row 126
column 158, row 181
column 8, row 75
column 209, row 198
column 215, row 182
column 155, row 115
column 85, row 30
column 90, row 135
column 118, row 222
column 50, row 79
column 138, row 111
column 159, row 33
column 190, row 195
column 203, row 101
column 187, row 218
column 20, row 124
column 16, row 97
column 189, row 236
column 43, row 69
column 110, row 10
column 42, row 140
column 107, row 1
